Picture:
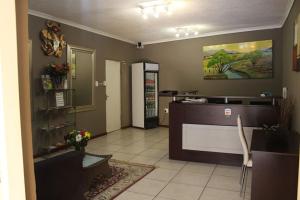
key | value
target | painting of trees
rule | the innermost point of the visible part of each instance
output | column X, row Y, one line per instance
column 220, row 60
column 247, row 60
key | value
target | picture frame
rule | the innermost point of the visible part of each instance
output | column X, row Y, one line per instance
column 296, row 46
column 234, row 61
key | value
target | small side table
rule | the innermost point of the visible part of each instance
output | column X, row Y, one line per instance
column 94, row 165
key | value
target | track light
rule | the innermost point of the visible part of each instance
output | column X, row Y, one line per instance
column 187, row 31
column 155, row 8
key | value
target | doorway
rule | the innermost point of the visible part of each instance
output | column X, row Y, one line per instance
column 113, row 95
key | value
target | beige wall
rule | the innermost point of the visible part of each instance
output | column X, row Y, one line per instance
column 25, row 100
column 291, row 79
column 106, row 49
column 11, row 59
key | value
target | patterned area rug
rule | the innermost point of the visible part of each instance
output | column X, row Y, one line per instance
column 124, row 175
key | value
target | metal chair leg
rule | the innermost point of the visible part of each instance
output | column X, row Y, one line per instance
column 242, row 173
column 245, row 182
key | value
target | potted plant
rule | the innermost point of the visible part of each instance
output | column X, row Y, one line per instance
column 78, row 139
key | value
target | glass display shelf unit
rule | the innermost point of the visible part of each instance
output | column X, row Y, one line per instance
column 57, row 117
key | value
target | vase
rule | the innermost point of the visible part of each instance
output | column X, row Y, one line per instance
column 81, row 149
column 59, row 82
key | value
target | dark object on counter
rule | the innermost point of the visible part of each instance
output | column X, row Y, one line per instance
column 235, row 102
column 167, row 93
column 216, row 100
column 261, row 103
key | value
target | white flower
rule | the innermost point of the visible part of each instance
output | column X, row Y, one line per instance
column 78, row 138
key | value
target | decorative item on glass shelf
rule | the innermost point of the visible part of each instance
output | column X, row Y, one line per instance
column 78, row 139
column 55, row 76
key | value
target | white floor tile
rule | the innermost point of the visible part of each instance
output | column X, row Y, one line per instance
column 191, row 178
column 224, row 170
column 144, row 160
column 181, row 192
column 123, row 156
column 133, row 149
column 224, row 182
column 155, row 153
column 170, row 164
column 217, row 194
column 202, row 168
column 162, row 174
column 148, row 187
column 133, row 196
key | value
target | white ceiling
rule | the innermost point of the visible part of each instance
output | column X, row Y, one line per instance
column 120, row 18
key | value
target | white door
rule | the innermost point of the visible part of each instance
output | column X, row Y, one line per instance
column 113, row 95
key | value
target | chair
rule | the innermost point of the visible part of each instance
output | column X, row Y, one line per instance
column 247, row 161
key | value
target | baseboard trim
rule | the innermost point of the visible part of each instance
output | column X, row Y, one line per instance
column 165, row 126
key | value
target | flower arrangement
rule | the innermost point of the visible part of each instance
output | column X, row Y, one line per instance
column 57, row 69
column 58, row 73
column 78, row 139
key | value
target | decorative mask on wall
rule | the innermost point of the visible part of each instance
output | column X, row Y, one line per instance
column 53, row 42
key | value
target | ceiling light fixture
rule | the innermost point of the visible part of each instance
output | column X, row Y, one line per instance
column 156, row 8
column 187, row 31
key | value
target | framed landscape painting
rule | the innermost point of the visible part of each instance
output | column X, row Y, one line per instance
column 247, row 60
column 296, row 50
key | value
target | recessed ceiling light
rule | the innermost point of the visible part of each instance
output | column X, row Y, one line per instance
column 196, row 33
column 187, row 34
column 177, row 35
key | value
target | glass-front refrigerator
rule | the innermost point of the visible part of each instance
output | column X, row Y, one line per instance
column 145, row 103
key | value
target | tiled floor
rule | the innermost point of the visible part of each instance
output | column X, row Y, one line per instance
column 171, row 180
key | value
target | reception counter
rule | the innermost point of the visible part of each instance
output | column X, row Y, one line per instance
column 208, row 132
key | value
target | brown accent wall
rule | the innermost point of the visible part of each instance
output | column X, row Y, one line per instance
column 181, row 66
column 291, row 79
column 107, row 49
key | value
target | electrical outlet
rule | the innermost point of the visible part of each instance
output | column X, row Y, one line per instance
column 284, row 92
column 166, row 110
